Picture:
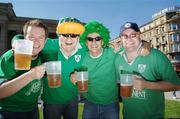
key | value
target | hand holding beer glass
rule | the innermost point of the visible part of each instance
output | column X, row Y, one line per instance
column 23, row 54
column 126, row 85
column 82, row 80
column 53, row 70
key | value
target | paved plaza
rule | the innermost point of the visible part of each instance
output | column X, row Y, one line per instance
column 169, row 96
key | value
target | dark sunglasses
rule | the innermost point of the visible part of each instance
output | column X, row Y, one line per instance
column 96, row 38
column 70, row 35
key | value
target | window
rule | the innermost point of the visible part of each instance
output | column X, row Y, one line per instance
column 150, row 41
column 157, row 47
column 174, row 26
column 174, row 37
column 163, row 40
column 162, row 28
column 175, row 47
column 157, row 41
column 177, row 57
column 164, row 48
column 157, row 31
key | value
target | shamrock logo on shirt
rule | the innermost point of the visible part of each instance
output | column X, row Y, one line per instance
column 141, row 68
column 35, row 87
column 77, row 58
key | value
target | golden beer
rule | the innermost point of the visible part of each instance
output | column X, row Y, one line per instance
column 82, row 85
column 23, row 61
column 54, row 80
column 126, row 90
column 126, row 85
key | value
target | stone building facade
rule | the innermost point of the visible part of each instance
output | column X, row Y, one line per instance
column 163, row 32
column 10, row 25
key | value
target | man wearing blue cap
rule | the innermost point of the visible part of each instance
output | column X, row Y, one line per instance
column 154, row 75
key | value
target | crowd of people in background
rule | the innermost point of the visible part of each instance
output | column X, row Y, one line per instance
column 78, row 45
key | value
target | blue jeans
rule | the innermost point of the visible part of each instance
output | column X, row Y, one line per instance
column 34, row 114
column 99, row 111
column 55, row 111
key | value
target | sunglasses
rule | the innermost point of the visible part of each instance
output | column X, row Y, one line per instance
column 131, row 36
column 70, row 35
column 96, row 38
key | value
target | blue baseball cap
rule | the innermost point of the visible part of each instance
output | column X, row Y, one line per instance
column 129, row 25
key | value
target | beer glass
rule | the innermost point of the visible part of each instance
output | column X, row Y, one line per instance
column 23, row 54
column 82, row 80
column 126, row 85
column 53, row 70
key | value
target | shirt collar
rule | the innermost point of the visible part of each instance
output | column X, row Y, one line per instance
column 78, row 46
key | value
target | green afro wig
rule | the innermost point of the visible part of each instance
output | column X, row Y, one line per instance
column 96, row 27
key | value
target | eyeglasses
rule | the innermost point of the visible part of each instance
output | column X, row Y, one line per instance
column 70, row 35
column 96, row 38
column 131, row 36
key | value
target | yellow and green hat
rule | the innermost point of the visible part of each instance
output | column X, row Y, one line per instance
column 70, row 25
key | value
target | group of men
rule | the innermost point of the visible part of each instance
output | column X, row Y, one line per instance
column 20, row 90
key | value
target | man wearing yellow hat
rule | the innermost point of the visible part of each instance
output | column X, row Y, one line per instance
column 63, row 101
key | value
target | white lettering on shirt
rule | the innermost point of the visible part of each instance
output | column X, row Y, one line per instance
column 139, row 94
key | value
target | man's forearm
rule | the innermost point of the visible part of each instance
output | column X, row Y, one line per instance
column 12, row 86
column 162, row 86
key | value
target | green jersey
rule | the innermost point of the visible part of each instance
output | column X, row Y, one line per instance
column 26, row 98
column 147, row 104
column 102, row 86
column 67, row 91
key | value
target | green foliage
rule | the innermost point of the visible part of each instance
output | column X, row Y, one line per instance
column 172, row 109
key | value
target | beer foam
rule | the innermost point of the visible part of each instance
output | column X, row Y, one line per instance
column 82, row 79
column 21, row 52
column 54, row 73
column 126, row 85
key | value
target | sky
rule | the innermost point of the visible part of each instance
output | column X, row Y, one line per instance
column 111, row 13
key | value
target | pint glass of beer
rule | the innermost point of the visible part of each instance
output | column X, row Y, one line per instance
column 82, row 80
column 23, row 54
column 126, row 85
column 53, row 70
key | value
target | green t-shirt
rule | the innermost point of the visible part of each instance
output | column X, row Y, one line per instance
column 147, row 104
column 68, row 91
column 102, row 86
column 50, row 50
column 26, row 98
